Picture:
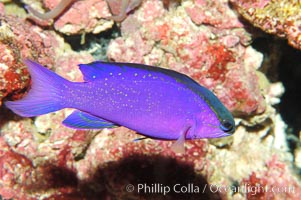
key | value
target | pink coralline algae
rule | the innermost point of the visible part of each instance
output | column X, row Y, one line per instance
column 50, row 151
column 256, row 164
column 100, row 164
column 120, row 9
column 36, row 44
column 2, row 7
column 54, row 13
column 279, row 17
column 42, row 155
column 203, row 39
column 14, row 169
column 21, row 179
column 42, row 159
column 15, row 45
column 87, row 16
column 263, row 185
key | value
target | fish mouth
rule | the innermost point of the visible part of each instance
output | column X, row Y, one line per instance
column 218, row 135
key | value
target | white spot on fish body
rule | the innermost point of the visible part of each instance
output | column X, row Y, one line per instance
column 135, row 74
column 111, row 74
column 94, row 76
column 119, row 74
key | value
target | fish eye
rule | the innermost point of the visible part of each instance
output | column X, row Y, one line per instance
column 226, row 125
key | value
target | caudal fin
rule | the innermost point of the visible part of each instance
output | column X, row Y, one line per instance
column 45, row 95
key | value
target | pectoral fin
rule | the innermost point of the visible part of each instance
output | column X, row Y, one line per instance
column 82, row 120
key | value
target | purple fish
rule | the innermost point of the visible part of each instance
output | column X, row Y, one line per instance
column 156, row 102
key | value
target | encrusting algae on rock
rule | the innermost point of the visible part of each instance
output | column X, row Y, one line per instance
column 279, row 17
column 42, row 159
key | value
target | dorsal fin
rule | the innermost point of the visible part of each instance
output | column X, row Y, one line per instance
column 99, row 70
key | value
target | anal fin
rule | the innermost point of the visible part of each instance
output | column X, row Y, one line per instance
column 82, row 120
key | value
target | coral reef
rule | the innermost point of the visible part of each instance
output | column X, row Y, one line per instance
column 215, row 54
column 37, row 44
column 15, row 45
column 88, row 16
column 54, row 13
column 279, row 17
column 121, row 8
column 42, row 159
